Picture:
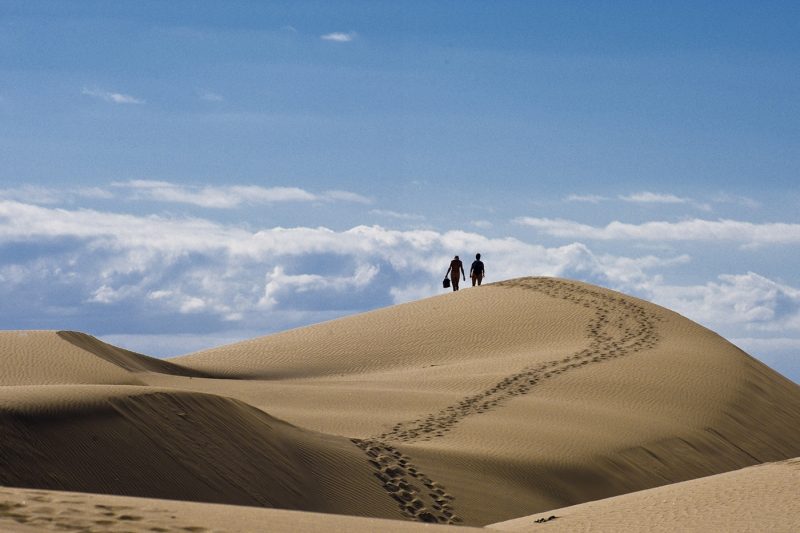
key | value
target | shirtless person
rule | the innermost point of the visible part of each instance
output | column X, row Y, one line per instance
column 476, row 272
column 456, row 268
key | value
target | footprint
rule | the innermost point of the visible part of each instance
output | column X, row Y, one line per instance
column 128, row 517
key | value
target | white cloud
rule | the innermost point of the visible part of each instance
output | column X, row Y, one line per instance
column 181, row 262
column 93, row 192
column 587, row 198
column 659, row 198
column 108, row 96
column 279, row 283
column 760, row 344
column 104, row 295
column 33, row 194
column 192, row 304
column 257, row 195
column 482, row 224
column 654, row 198
column 726, row 198
column 644, row 197
column 414, row 291
column 158, row 295
column 394, row 214
column 732, row 304
column 52, row 196
column 346, row 196
column 339, row 37
column 747, row 233
column 229, row 196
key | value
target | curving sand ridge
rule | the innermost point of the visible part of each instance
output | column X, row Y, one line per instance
column 50, row 357
column 165, row 443
column 126, row 359
column 44, row 357
column 467, row 408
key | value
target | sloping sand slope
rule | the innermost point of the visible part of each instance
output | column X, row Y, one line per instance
column 468, row 408
column 758, row 498
column 49, row 357
column 164, row 443
column 44, row 358
column 126, row 359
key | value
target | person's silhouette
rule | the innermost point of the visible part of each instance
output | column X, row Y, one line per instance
column 456, row 270
column 477, row 271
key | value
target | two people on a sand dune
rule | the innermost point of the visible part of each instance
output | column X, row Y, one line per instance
column 456, row 270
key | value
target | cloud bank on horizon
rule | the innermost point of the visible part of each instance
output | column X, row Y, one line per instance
column 165, row 274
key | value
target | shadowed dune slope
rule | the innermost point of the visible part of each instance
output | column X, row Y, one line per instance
column 758, row 498
column 141, row 441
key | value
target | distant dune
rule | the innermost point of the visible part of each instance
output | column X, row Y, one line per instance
column 524, row 398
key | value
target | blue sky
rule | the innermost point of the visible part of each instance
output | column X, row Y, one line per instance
column 175, row 175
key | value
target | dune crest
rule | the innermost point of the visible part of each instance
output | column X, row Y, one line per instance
column 126, row 359
column 44, row 358
column 468, row 408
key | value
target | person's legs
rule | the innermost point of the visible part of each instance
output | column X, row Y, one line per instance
column 480, row 278
column 475, row 279
column 454, row 282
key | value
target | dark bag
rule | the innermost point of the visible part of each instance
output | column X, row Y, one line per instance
column 446, row 283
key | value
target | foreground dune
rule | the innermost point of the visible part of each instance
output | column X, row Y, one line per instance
column 469, row 408
column 758, row 498
column 31, row 510
column 762, row 498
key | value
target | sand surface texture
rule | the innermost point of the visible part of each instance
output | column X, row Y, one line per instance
column 469, row 408
column 31, row 510
column 757, row 498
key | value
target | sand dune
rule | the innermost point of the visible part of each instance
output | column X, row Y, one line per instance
column 126, row 359
column 468, row 408
column 32, row 510
column 758, row 498
column 168, row 444
column 44, row 358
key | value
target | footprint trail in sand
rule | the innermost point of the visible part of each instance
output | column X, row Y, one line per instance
column 620, row 327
